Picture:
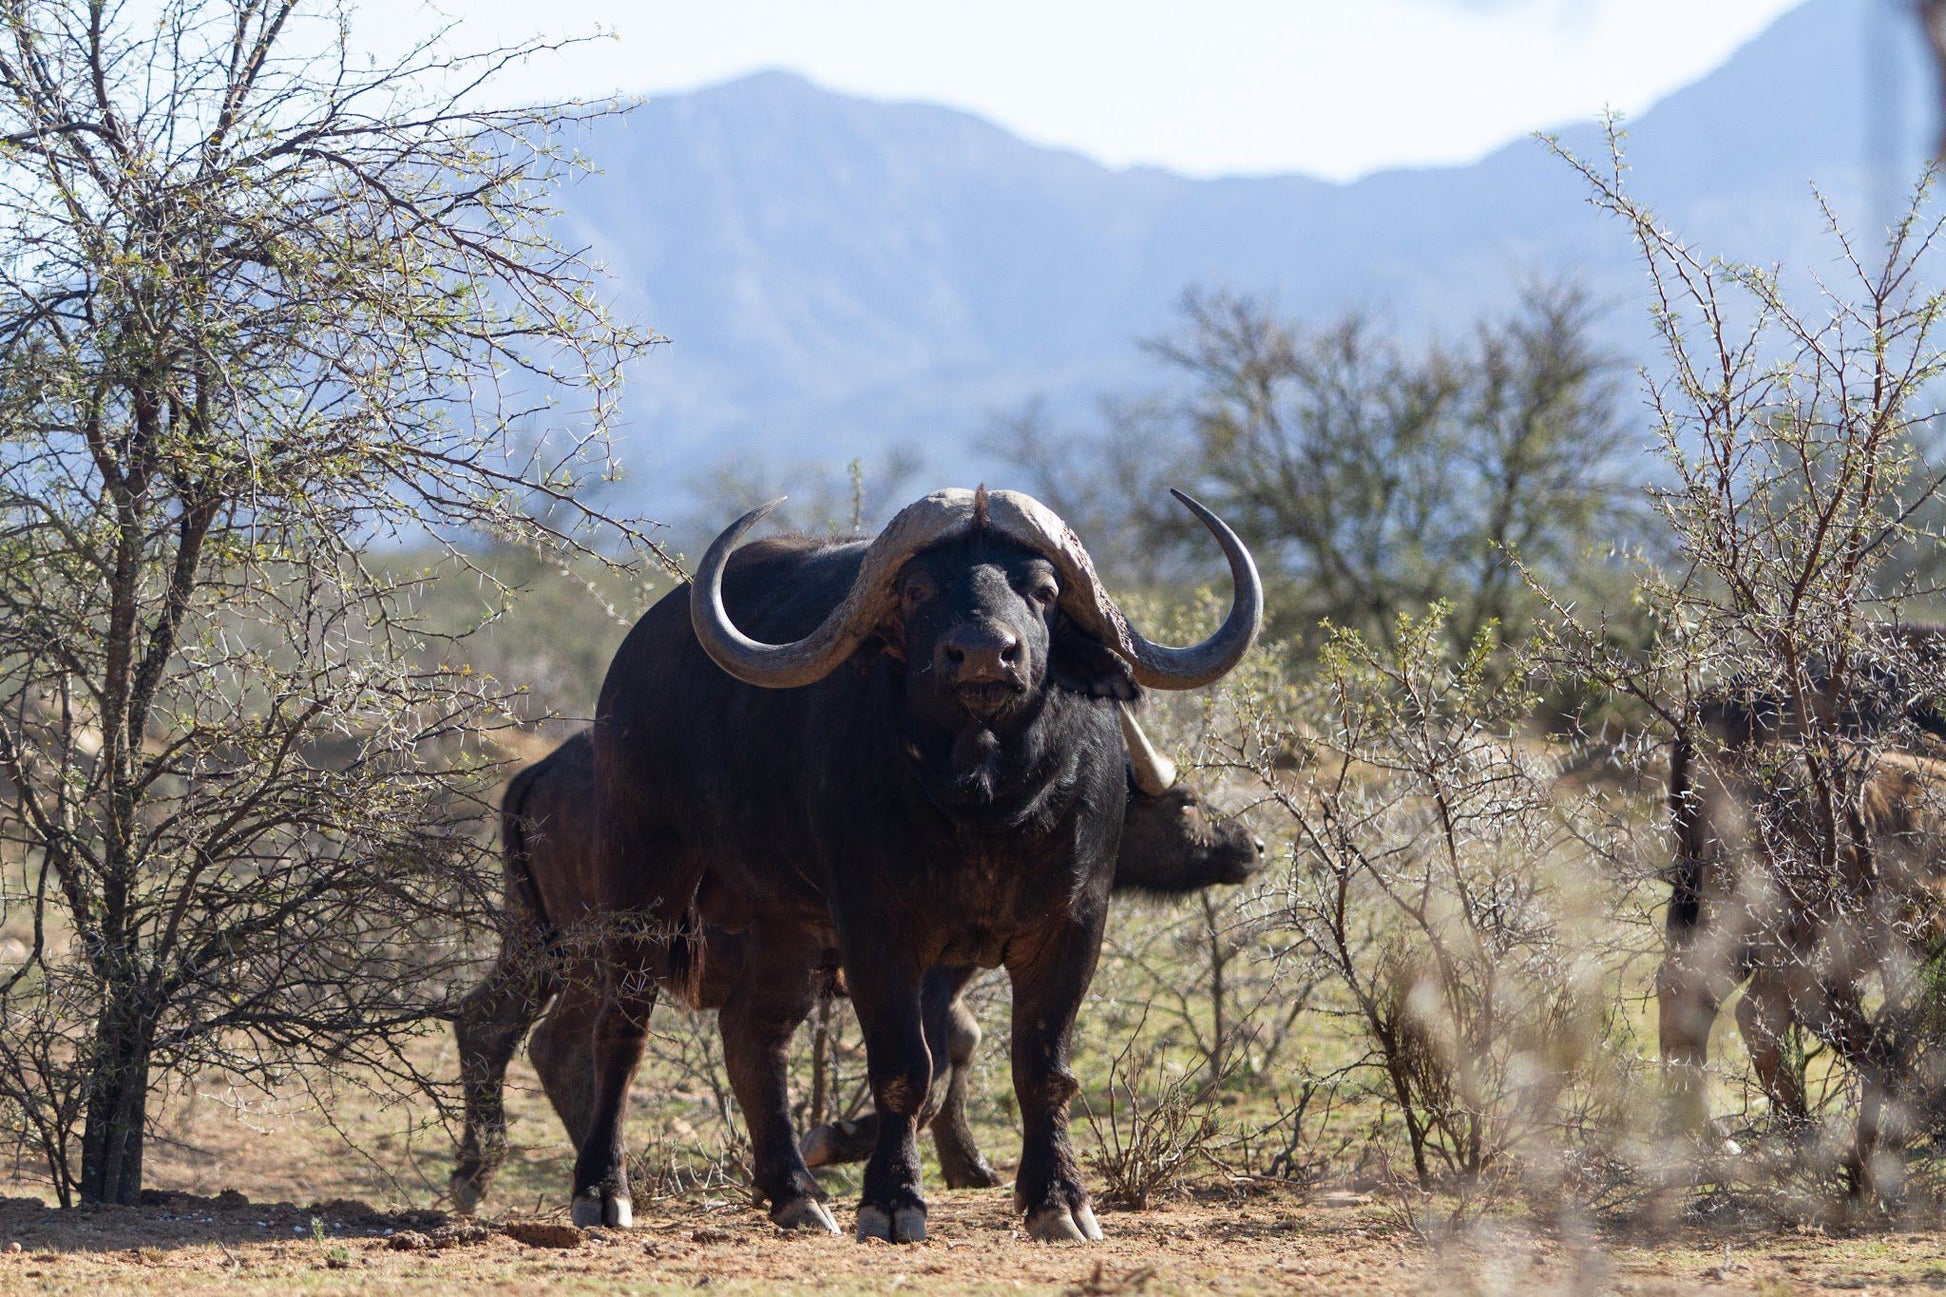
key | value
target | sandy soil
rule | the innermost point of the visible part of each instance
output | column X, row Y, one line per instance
column 183, row 1244
column 198, row 1234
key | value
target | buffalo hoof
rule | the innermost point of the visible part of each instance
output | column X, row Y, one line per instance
column 603, row 1209
column 902, row 1225
column 1059, row 1224
column 803, row 1213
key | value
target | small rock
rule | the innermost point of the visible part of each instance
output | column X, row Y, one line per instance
column 408, row 1240
column 1344, row 1198
column 708, row 1235
column 14, row 1246
column 542, row 1233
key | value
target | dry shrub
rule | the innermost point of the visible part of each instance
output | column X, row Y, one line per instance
column 1797, row 422
column 1159, row 1124
column 1302, row 1143
column 695, row 1139
column 1440, row 876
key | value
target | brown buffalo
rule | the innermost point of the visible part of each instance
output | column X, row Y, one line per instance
column 1757, row 903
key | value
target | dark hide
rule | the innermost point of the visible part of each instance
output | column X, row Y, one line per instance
column 953, row 797
column 1170, row 846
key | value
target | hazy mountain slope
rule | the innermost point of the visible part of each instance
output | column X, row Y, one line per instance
column 838, row 275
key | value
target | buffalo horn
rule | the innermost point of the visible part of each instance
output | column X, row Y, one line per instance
column 1160, row 667
column 1154, row 773
column 1018, row 518
column 865, row 606
column 779, row 666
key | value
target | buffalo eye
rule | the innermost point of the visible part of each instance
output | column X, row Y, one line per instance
column 1046, row 593
column 917, row 590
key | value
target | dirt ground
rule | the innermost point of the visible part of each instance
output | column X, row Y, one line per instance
column 306, row 1226
column 194, row 1245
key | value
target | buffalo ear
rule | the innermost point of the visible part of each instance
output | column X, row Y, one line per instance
column 1082, row 665
column 888, row 640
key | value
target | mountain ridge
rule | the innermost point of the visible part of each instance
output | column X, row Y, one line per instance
column 841, row 277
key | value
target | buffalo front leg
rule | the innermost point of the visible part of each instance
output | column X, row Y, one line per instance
column 1049, row 983
column 601, row 1195
column 771, row 997
column 491, row 1021
column 886, row 993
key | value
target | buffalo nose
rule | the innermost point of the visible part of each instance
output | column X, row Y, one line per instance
column 979, row 653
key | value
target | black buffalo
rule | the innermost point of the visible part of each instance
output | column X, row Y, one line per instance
column 1170, row 846
column 907, row 753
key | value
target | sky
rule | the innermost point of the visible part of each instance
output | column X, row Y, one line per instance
column 1332, row 88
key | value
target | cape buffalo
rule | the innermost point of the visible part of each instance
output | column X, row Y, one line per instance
column 906, row 752
column 1170, row 846
column 1755, row 904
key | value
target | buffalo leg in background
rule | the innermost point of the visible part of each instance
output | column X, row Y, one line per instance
column 838, row 1142
column 492, row 1020
column 621, row 1027
column 961, row 1164
column 952, row 1034
column 1050, row 976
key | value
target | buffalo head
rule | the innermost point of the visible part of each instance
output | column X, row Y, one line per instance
column 984, row 596
column 1173, row 845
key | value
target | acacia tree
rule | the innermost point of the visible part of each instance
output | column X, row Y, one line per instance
column 268, row 312
column 1370, row 478
column 1385, row 481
